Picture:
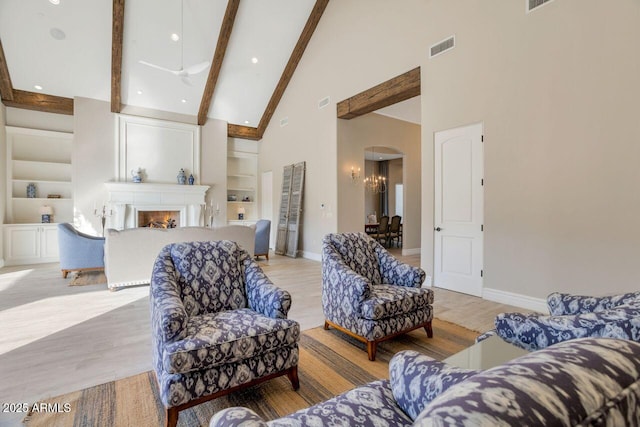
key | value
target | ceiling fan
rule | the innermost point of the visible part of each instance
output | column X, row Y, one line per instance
column 183, row 73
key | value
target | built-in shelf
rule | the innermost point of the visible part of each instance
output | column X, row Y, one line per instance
column 42, row 158
column 246, row 189
column 242, row 169
column 241, row 175
column 48, row 199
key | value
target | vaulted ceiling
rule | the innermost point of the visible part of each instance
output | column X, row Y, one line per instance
column 240, row 55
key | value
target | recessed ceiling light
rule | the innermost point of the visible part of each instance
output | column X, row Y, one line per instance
column 54, row 1
column 37, row 87
column 254, row 60
column 57, row 34
column 184, row 101
column 246, row 122
column 139, row 92
column 175, row 37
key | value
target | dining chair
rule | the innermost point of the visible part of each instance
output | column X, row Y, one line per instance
column 382, row 235
column 395, row 231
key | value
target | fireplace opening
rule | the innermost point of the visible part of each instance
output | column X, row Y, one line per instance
column 158, row 219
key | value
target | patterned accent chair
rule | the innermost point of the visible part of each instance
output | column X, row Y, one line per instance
column 218, row 324
column 584, row 382
column 573, row 316
column 370, row 295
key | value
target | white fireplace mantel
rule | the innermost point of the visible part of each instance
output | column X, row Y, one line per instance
column 126, row 199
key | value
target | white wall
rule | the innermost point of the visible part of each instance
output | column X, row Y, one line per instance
column 93, row 160
column 94, row 157
column 213, row 166
column 349, row 52
column 3, row 180
column 557, row 90
column 396, row 172
column 558, row 93
column 38, row 120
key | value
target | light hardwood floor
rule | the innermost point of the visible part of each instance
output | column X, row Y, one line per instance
column 58, row 338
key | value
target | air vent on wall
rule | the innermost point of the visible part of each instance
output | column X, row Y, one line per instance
column 323, row 102
column 442, row 46
column 534, row 4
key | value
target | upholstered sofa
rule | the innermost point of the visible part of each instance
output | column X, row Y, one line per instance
column 573, row 316
column 129, row 254
column 583, row 382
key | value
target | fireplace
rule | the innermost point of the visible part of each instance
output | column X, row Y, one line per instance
column 158, row 218
column 175, row 205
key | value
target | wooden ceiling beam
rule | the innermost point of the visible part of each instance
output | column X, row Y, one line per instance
column 244, row 132
column 117, row 36
column 6, row 88
column 294, row 59
column 40, row 102
column 400, row 88
column 218, row 57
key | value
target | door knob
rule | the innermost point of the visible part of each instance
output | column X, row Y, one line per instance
column 438, row 229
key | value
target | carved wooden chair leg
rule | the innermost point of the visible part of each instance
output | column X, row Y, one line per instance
column 372, row 346
column 171, row 417
column 429, row 330
column 292, row 374
column 326, row 326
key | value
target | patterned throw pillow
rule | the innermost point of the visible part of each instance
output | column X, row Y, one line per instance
column 417, row 379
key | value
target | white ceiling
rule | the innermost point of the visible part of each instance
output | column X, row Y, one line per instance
column 80, row 65
column 409, row 110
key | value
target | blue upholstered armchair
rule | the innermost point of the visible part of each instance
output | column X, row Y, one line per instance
column 573, row 316
column 218, row 324
column 79, row 251
column 370, row 295
column 263, row 231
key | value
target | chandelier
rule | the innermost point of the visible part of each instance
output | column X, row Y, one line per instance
column 375, row 183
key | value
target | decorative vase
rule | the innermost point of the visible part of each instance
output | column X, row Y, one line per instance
column 31, row 191
column 182, row 177
column 136, row 175
column 191, row 179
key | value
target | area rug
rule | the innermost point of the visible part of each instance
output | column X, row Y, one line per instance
column 330, row 363
column 82, row 278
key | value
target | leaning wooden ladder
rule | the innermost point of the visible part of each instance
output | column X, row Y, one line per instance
column 290, row 210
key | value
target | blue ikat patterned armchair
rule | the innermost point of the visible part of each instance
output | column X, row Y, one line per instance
column 370, row 295
column 218, row 324
column 573, row 316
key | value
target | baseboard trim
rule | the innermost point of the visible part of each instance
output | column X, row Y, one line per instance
column 518, row 300
column 414, row 251
column 312, row 256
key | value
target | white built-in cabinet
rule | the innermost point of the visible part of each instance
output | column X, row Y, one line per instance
column 30, row 243
column 42, row 158
column 242, row 182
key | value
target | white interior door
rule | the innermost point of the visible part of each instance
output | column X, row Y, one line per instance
column 459, row 210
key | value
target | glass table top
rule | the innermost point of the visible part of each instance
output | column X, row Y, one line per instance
column 486, row 354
